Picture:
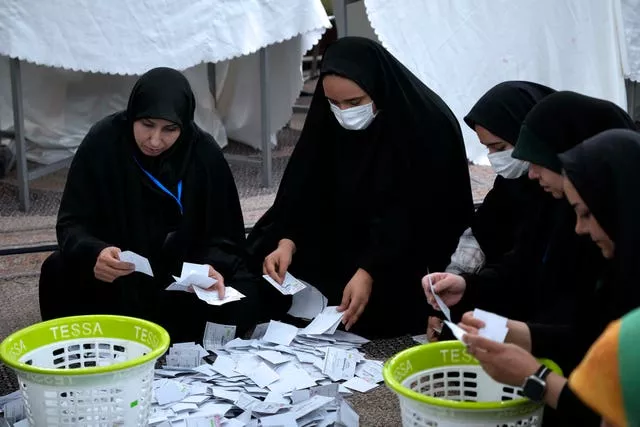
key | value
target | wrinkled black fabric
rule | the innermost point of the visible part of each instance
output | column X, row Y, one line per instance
column 510, row 202
column 109, row 201
column 391, row 199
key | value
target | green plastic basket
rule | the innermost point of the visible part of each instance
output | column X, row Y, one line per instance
column 440, row 384
column 86, row 370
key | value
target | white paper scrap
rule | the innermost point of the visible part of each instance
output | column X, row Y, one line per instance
column 280, row 333
column 358, row 384
column 141, row 263
column 290, row 285
column 441, row 304
column 339, row 364
column 217, row 335
column 495, row 325
column 324, row 322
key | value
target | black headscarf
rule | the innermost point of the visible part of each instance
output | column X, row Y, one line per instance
column 563, row 120
column 605, row 170
column 391, row 199
column 164, row 93
column 504, row 107
column 506, row 207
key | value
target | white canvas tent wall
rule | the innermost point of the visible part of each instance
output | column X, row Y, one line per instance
column 121, row 38
column 461, row 48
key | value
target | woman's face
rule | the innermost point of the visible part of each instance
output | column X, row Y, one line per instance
column 550, row 181
column 493, row 143
column 586, row 223
column 344, row 93
column 155, row 136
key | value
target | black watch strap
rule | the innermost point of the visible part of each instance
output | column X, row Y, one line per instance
column 542, row 372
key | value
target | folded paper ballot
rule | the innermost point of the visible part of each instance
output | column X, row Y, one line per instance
column 195, row 278
column 140, row 263
column 290, row 285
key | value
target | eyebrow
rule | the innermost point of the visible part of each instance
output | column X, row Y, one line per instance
column 357, row 98
column 491, row 144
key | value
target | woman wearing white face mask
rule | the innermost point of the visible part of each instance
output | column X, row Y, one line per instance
column 496, row 118
column 376, row 192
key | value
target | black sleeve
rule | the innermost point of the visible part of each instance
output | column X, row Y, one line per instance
column 571, row 410
column 224, row 244
column 500, row 288
column 545, row 339
column 78, row 216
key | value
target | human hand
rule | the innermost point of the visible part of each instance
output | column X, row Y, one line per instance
column 355, row 297
column 434, row 328
column 450, row 288
column 219, row 285
column 470, row 324
column 505, row 363
column 277, row 262
column 109, row 267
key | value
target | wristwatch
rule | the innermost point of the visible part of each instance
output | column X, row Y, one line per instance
column 535, row 385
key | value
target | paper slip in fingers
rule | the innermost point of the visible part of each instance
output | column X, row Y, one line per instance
column 196, row 275
column 326, row 321
column 141, row 263
column 495, row 327
column 441, row 304
column 212, row 297
column 290, row 285
column 458, row 332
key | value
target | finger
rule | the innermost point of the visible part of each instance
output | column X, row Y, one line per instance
column 483, row 343
column 116, row 264
column 468, row 319
column 357, row 315
column 282, row 269
column 482, row 356
column 219, row 278
column 468, row 329
column 346, row 298
column 221, row 289
column 426, row 286
column 270, row 269
column 352, row 309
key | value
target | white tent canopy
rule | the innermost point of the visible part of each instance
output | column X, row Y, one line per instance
column 127, row 38
column 461, row 48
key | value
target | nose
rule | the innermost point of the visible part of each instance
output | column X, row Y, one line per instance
column 154, row 138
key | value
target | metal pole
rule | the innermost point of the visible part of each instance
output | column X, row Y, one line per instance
column 265, row 125
column 340, row 14
column 18, row 124
column 211, row 76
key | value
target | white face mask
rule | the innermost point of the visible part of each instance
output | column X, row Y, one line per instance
column 506, row 166
column 354, row 118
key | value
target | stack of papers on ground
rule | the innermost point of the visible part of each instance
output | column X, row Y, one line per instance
column 281, row 376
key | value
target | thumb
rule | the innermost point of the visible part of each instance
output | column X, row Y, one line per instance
column 114, row 252
column 442, row 285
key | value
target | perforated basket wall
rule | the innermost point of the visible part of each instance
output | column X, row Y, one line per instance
column 440, row 385
column 86, row 370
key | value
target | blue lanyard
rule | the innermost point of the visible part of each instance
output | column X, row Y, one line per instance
column 163, row 188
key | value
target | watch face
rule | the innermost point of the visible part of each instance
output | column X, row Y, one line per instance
column 534, row 389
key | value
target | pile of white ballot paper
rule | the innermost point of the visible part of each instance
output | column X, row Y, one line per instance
column 281, row 376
